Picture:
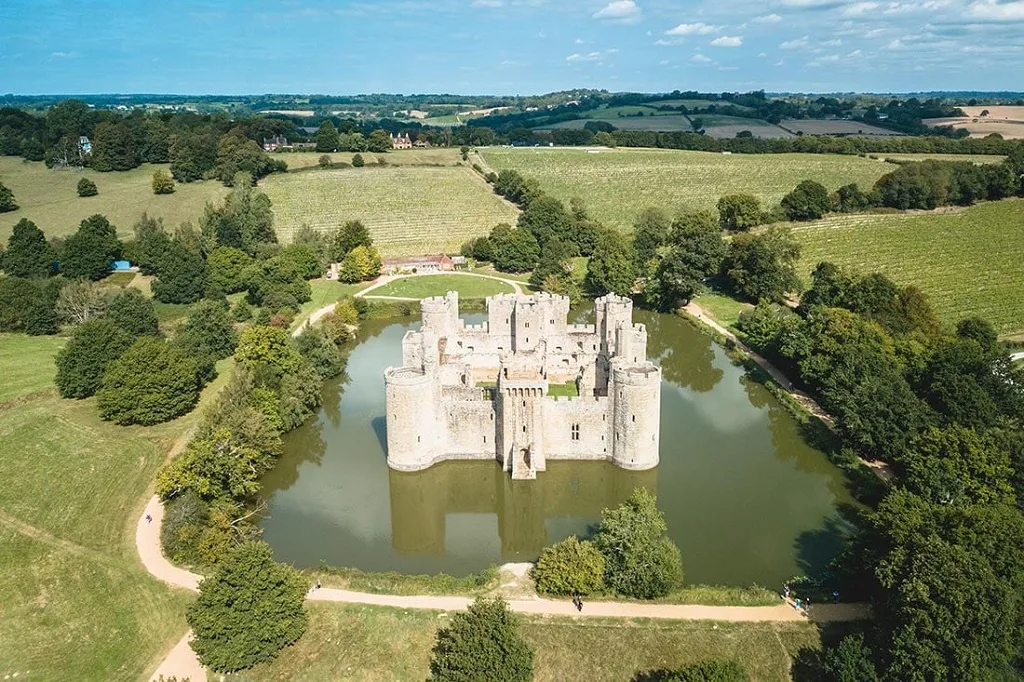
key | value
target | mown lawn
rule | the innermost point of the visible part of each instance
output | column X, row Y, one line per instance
column 438, row 285
column 75, row 602
column 725, row 310
column 968, row 262
column 355, row 642
column 407, row 209
column 617, row 184
column 49, row 197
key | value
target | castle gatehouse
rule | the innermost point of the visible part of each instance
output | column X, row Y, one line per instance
column 524, row 387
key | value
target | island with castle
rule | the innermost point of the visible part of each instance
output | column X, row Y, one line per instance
column 485, row 392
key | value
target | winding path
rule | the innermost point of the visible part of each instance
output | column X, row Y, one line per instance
column 182, row 661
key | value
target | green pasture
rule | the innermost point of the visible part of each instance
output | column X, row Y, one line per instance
column 968, row 261
column 75, row 602
column 425, row 286
column 431, row 156
column 355, row 642
column 49, row 198
column 408, row 209
column 657, row 123
column 618, row 184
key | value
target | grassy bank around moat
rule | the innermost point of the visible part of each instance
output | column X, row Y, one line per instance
column 75, row 601
column 357, row 642
column 426, row 286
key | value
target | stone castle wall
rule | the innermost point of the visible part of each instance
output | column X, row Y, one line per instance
column 436, row 410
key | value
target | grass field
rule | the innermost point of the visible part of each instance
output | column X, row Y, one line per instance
column 75, row 602
column 721, row 126
column 973, row 158
column 618, row 184
column 370, row 643
column 408, row 210
column 969, row 262
column 433, row 156
column 660, row 123
column 812, row 126
column 49, row 197
column 438, row 285
column 723, row 309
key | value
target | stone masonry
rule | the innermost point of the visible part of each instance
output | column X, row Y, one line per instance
column 482, row 391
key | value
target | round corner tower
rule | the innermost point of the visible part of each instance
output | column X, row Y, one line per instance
column 441, row 314
column 412, row 429
column 635, row 391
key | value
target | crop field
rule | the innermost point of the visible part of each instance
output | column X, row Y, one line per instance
column 438, row 285
column 75, row 603
column 618, row 184
column 408, row 210
column 718, row 125
column 835, row 127
column 658, row 123
column 696, row 104
column 1009, row 124
column 973, row 158
column 355, row 642
column 435, row 156
column 49, row 197
column 968, row 262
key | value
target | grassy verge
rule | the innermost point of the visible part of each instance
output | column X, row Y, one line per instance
column 725, row 310
column 439, row 285
column 324, row 293
column 392, row 582
column 75, row 602
column 355, row 642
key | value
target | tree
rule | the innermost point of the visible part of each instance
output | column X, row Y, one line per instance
column 226, row 266
column 238, row 156
column 82, row 362
column 209, row 331
column 482, row 643
column 702, row 671
column 152, row 382
column 514, row 250
column 850, row 661
column 546, row 219
column 80, row 300
column 640, row 559
column 152, row 243
column 91, row 250
column 611, row 267
column 114, row 147
column 320, row 351
column 131, row 311
column 347, row 237
column 327, row 138
column 193, row 154
column 7, row 202
column 87, row 188
column 650, row 233
column 28, row 305
column 569, row 567
column 182, row 277
column 739, row 211
column 695, row 253
column 763, row 265
column 275, row 278
column 362, row 263
column 270, row 346
column 357, row 161
column 245, row 221
column 850, row 198
column 957, row 465
column 163, row 183
column 28, row 253
column 379, row 141
column 809, row 201
column 325, row 161
column 248, row 610
column 555, row 260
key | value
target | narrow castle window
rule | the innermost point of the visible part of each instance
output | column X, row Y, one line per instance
column 417, row 439
column 575, row 431
column 485, row 439
column 524, row 428
column 634, row 419
column 527, row 325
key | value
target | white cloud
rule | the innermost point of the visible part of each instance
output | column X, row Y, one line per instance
column 835, row 42
column 579, row 41
column 796, row 44
column 487, row 3
column 806, row 4
column 620, row 11
column 701, row 59
column 990, row 10
column 896, row 44
column 728, row 41
column 699, row 28
column 767, row 19
column 664, row 62
column 859, row 9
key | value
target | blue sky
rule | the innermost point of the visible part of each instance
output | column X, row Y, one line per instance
column 508, row 46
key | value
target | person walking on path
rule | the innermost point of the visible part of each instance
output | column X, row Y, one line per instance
column 149, row 518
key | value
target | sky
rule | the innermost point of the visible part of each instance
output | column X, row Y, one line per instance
column 508, row 47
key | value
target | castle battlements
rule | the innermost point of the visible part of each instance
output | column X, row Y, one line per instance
column 484, row 391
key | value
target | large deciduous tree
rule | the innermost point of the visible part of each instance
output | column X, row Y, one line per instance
column 7, row 202
column 152, row 382
column 808, row 201
column 81, row 363
column 739, row 211
column 28, row 253
column 482, row 643
column 763, row 266
column 513, row 250
column 611, row 266
column 133, row 312
column 182, row 277
column 570, row 567
column 91, row 250
column 28, row 305
column 695, row 253
column 327, row 138
column 248, row 610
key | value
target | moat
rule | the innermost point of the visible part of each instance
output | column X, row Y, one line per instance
column 745, row 497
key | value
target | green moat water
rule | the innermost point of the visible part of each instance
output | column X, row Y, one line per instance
column 745, row 497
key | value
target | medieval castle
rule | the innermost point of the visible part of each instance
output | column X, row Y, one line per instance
column 485, row 391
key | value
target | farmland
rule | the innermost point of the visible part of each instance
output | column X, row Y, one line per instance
column 660, row 123
column 973, row 158
column 1007, row 121
column 717, row 125
column 49, row 198
column 408, row 210
column 618, row 184
column 967, row 261
column 75, row 603
column 355, row 642
column 436, row 156
column 835, row 127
